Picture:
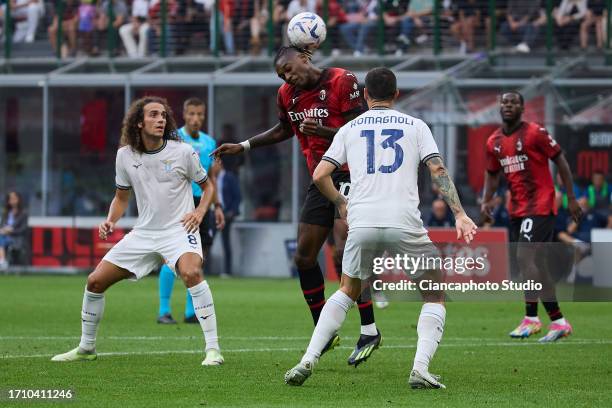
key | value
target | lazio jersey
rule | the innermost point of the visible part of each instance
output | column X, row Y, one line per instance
column 203, row 145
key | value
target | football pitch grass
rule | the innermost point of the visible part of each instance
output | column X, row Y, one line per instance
column 264, row 328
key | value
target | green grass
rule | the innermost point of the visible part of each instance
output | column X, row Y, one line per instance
column 264, row 328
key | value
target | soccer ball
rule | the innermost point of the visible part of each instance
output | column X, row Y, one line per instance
column 306, row 30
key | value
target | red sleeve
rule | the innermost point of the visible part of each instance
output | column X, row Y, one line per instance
column 493, row 165
column 350, row 97
column 545, row 143
column 280, row 106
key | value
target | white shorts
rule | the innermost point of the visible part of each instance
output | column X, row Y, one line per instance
column 141, row 251
column 364, row 244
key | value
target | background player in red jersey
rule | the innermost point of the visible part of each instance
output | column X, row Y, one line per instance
column 313, row 104
column 522, row 150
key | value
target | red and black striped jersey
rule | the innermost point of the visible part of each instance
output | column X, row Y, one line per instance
column 336, row 95
column 523, row 156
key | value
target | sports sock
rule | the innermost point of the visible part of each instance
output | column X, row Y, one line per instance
column 532, row 318
column 366, row 312
column 560, row 321
column 189, row 311
column 429, row 329
column 205, row 311
column 313, row 287
column 531, row 309
column 552, row 308
column 332, row 317
column 91, row 314
column 166, row 283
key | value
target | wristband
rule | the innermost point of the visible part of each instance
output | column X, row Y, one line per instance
column 246, row 145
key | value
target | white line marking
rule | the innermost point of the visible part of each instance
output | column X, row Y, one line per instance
column 292, row 349
column 279, row 338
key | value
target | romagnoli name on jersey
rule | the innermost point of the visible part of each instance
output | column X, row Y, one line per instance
column 369, row 120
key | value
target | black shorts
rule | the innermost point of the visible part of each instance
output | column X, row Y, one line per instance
column 536, row 228
column 208, row 227
column 317, row 209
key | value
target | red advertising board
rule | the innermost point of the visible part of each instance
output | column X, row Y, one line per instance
column 68, row 246
column 490, row 244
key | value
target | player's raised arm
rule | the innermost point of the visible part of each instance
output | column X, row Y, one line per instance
column 568, row 183
column 466, row 228
column 281, row 132
column 117, row 209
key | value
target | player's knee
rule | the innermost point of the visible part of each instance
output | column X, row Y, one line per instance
column 95, row 284
column 191, row 275
column 304, row 262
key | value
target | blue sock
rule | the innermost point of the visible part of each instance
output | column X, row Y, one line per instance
column 166, row 283
column 189, row 310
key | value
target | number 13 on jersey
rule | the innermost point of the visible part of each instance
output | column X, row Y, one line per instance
column 389, row 143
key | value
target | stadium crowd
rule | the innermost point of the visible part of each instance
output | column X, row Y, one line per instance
column 352, row 24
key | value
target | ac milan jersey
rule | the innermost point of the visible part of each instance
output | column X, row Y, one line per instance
column 524, row 156
column 336, row 94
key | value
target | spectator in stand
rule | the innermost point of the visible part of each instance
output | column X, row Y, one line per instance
column 501, row 7
column 596, row 16
column 225, row 22
column 259, row 22
column 568, row 18
column 468, row 19
column 419, row 16
column 501, row 216
column 137, row 28
column 120, row 15
column 440, row 215
column 578, row 190
column 244, row 12
column 192, row 25
column 300, row 6
column 394, row 12
column 579, row 233
column 13, row 227
column 87, row 16
column 361, row 18
column 155, row 25
column 26, row 15
column 70, row 21
column 336, row 18
column 598, row 194
column 523, row 23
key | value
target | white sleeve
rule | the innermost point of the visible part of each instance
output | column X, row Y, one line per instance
column 427, row 145
column 195, row 171
column 122, row 180
column 336, row 153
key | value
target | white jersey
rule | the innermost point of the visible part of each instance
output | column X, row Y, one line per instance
column 161, row 180
column 383, row 149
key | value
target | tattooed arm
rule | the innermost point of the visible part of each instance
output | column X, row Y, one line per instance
column 439, row 175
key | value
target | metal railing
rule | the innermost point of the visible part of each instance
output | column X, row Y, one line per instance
column 442, row 28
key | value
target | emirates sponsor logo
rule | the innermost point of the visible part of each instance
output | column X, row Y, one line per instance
column 513, row 164
column 313, row 113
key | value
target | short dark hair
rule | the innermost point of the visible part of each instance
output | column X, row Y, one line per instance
column 282, row 51
column 381, row 83
column 193, row 101
column 517, row 93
